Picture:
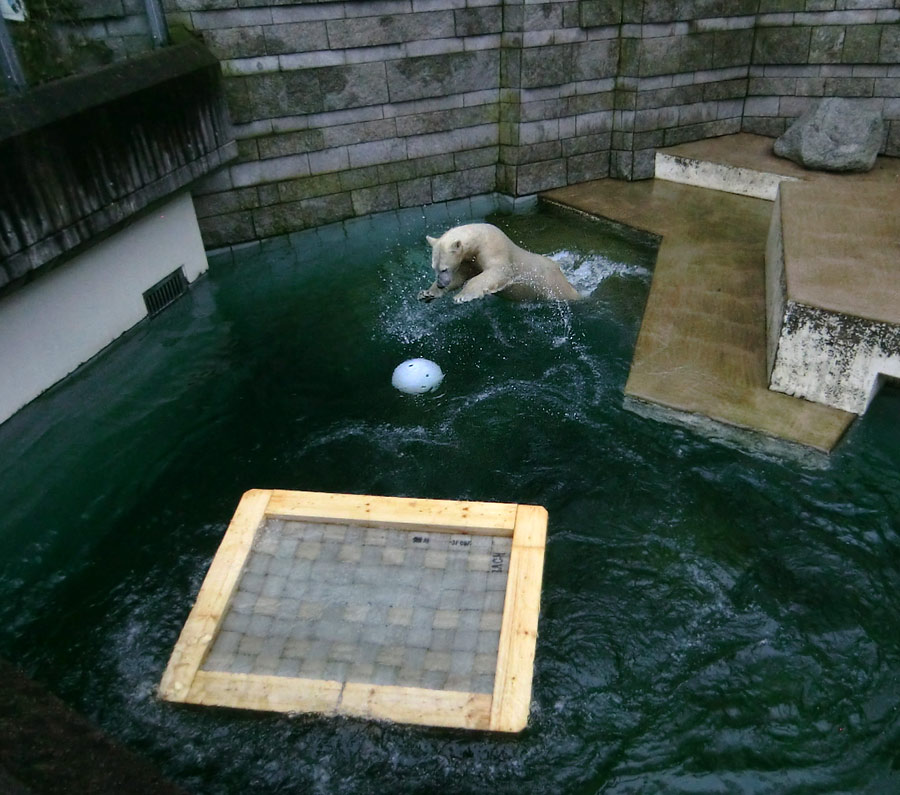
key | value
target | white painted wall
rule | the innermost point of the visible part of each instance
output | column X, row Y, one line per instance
column 66, row 316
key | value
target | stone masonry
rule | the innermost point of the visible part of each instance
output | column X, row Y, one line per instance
column 349, row 108
column 803, row 51
column 121, row 25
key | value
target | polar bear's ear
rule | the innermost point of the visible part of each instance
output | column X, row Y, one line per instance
column 432, row 241
column 456, row 245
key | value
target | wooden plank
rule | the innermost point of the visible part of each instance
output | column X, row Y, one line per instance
column 518, row 633
column 214, row 597
column 531, row 526
column 272, row 693
column 417, row 706
column 488, row 518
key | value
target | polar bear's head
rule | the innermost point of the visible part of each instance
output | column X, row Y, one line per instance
column 449, row 259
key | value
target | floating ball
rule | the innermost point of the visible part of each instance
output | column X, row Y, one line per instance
column 417, row 376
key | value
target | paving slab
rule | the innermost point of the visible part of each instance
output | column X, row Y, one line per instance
column 347, row 619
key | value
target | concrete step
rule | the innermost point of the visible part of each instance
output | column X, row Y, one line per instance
column 833, row 292
column 742, row 164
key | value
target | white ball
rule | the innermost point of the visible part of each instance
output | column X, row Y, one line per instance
column 417, row 376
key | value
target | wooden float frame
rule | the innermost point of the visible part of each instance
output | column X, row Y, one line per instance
column 506, row 710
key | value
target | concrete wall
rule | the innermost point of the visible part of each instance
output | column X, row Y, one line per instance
column 55, row 323
column 682, row 77
column 348, row 108
column 558, row 83
column 832, row 358
column 120, row 25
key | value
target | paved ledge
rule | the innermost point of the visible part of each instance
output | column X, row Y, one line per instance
column 829, row 293
column 701, row 350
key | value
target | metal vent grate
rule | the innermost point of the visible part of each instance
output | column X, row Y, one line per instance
column 165, row 291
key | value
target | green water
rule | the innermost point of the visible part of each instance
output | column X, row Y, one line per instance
column 714, row 619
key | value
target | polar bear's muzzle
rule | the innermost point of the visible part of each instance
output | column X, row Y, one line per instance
column 443, row 278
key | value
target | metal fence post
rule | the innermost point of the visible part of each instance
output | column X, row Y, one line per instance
column 159, row 30
column 13, row 76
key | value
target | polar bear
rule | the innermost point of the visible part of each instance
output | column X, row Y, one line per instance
column 482, row 260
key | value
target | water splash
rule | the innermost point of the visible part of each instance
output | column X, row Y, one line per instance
column 587, row 271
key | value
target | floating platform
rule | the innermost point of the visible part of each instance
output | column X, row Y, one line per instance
column 408, row 610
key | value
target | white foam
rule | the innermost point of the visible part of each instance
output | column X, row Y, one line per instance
column 586, row 272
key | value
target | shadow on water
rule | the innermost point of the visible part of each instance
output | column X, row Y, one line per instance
column 713, row 619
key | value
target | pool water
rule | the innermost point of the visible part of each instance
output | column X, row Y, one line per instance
column 714, row 618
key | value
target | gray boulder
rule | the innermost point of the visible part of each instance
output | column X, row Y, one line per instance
column 835, row 135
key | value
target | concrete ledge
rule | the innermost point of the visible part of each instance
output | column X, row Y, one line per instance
column 825, row 286
column 832, row 283
column 718, row 176
column 742, row 164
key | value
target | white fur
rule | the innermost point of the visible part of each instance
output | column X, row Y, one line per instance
column 481, row 260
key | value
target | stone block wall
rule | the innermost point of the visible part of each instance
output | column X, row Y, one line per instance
column 808, row 49
column 59, row 39
column 348, row 108
column 120, row 25
column 682, row 76
column 557, row 95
